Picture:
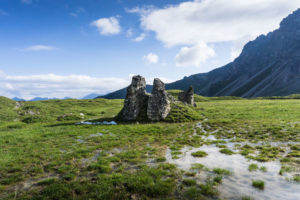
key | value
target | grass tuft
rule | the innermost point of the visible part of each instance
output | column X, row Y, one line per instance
column 199, row 154
column 258, row 184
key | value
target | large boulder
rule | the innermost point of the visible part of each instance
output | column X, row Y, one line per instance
column 159, row 104
column 187, row 97
column 136, row 100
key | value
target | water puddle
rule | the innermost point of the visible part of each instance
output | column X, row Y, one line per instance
column 96, row 135
column 80, row 141
column 240, row 182
column 199, row 125
column 97, row 123
column 86, row 161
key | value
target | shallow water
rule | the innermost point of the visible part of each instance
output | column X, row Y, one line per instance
column 240, row 182
column 97, row 123
column 96, row 135
column 80, row 141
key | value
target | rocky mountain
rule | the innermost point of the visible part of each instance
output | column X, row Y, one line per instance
column 121, row 94
column 91, row 96
column 18, row 99
column 267, row 66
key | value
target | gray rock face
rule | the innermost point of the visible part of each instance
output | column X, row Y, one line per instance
column 159, row 104
column 136, row 99
column 187, row 96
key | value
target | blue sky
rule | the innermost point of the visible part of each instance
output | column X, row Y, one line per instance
column 59, row 48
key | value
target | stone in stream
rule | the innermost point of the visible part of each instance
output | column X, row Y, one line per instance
column 159, row 104
column 187, row 97
column 136, row 99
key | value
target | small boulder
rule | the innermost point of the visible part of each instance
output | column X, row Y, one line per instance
column 159, row 104
column 187, row 97
column 136, row 99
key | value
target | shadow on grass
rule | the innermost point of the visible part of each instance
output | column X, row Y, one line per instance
column 61, row 124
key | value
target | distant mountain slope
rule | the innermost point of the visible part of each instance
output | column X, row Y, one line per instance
column 91, row 96
column 121, row 94
column 18, row 99
column 267, row 66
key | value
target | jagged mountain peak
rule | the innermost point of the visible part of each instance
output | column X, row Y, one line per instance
column 291, row 21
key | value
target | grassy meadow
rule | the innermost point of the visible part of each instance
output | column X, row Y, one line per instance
column 44, row 154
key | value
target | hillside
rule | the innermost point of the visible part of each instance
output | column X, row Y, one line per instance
column 55, row 110
column 267, row 66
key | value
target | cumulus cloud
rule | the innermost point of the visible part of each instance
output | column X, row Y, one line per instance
column 151, row 58
column 194, row 55
column 52, row 85
column 213, row 21
column 39, row 48
column 140, row 37
column 107, row 26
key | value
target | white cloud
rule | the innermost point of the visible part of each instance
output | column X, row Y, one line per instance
column 151, row 58
column 194, row 56
column 213, row 21
column 39, row 48
column 52, row 85
column 140, row 37
column 107, row 26
column 141, row 10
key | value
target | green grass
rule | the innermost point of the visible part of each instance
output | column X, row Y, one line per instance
column 197, row 166
column 39, row 141
column 218, row 179
column 247, row 198
column 146, row 184
column 199, row 154
column 8, row 111
column 226, row 151
column 189, row 182
column 285, row 169
column 198, row 98
column 297, row 178
column 57, row 110
column 220, row 171
column 258, row 184
column 263, row 169
column 253, row 167
column 182, row 113
column 161, row 159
